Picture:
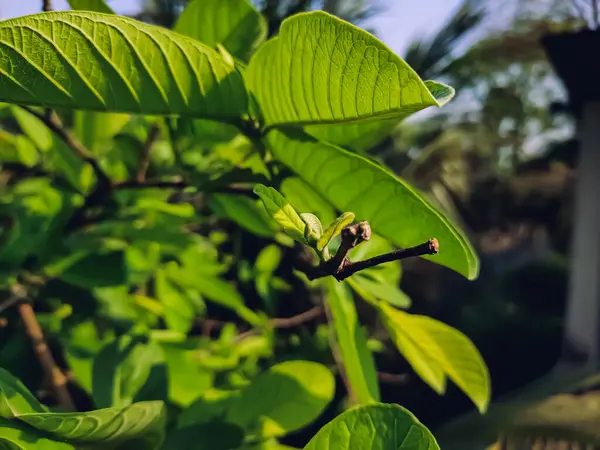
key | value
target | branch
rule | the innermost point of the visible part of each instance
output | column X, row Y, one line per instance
column 175, row 184
column 46, row 5
column 145, row 159
column 52, row 121
column 340, row 267
column 40, row 347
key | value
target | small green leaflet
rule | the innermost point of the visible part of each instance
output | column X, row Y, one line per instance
column 282, row 211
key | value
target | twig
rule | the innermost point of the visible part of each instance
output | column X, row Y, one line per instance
column 6, row 304
column 175, row 184
column 46, row 5
column 393, row 378
column 145, row 159
column 52, row 121
column 340, row 267
column 52, row 371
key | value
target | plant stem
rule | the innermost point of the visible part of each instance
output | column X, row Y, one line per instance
column 340, row 267
column 145, row 158
column 52, row 371
column 46, row 5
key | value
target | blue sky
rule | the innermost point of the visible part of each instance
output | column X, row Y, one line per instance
column 401, row 21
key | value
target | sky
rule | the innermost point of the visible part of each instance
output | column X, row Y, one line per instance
column 397, row 25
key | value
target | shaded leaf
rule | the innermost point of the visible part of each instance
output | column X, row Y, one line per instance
column 436, row 350
column 211, row 436
column 380, row 426
column 94, row 271
column 285, row 398
column 86, row 60
column 15, row 398
column 352, row 342
column 320, row 69
column 243, row 211
column 15, row 435
column 394, row 209
column 235, row 24
column 120, row 369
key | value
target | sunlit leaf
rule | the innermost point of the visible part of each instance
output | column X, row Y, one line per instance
column 379, row 426
column 394, row 209
column 320, row 69
column 281, row 210
column 285, row 398
column 101, row 62
column 352, row 342
column 235, row 24
column 436, row 351
column 179, row 311
column 244, row 211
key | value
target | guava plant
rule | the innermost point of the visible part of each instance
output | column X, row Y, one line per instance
column 141, row 166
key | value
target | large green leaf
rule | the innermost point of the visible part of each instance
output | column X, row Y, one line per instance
column 436, row 350
column 141, row 422
column 304, row 198
column 358, row 137
column 379, row 426
column 352, row 342
column 15, row 398
column 321, row 69
column 101, row 62
column 393, row 208
column 101, row 429
column 235, row 24
column 285, row 398
column 91, row 5
column 15, row 435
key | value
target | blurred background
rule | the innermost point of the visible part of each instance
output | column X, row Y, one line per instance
column 502, row 158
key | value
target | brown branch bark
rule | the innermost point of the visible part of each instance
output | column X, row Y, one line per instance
column 46, row 5
column 340, row 267
column 53, row 372
column 145, row 159
column 52, row 121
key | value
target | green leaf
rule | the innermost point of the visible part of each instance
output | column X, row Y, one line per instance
column 187, row 380
column 314, row 229
column 243, row 211
column 95, row 271
column 211, row 406
column 141, row 424
column 17, row 149
column 370, row 289
column 394, row 209
column 15, row 398
column 304, row 198
column 358, row 137
column 379, row 426
column 15, row 435
column 285, row 398
column 91, row 5
column 321, row 69
column 281, row 210
column 59, row 157
column 97, row 128
column 210, row 436
column 101, row 62
column 436, row 350
column 335, row 229
column 235, row 24
column 352, row 341
column 120, row 369
column 179, row 311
